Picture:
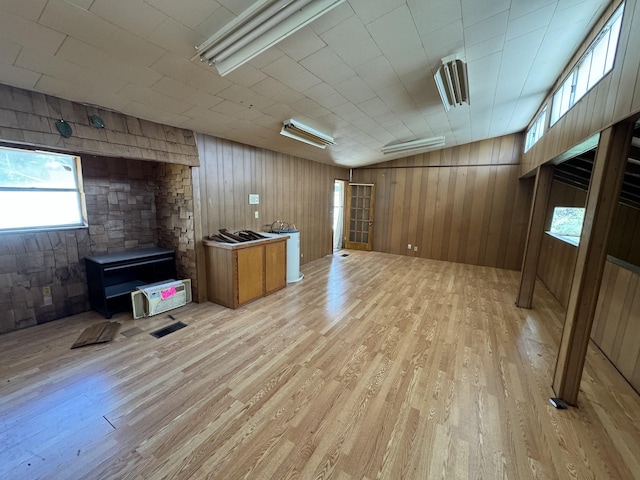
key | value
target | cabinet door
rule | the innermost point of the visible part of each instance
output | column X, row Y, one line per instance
column 275, row 266
column 250, row 273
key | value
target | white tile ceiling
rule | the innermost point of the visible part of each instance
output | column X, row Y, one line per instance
column 363, row 72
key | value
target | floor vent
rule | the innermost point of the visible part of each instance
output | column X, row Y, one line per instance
column 168, row 329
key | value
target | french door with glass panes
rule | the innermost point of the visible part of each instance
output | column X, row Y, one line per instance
column 360, row 199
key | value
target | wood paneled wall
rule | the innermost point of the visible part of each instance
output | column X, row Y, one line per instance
column 616, row 326
column 291, row 189
column 563, row 195
column 557, row 257
column 556, row 265
column 462, row 204
column 625, row 237
column 614, row 98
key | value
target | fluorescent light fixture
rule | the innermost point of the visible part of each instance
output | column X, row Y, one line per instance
column 259, row 27
column 452, row 82
column 420, row 144
column 293, row 129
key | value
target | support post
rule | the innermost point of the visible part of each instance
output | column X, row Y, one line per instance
column 602, row 200
column 541, row 190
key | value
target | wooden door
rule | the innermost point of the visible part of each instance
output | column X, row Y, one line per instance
column 275, row 268
column 360, row 199
column 250, row 265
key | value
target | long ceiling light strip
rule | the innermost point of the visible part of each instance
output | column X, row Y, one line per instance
column 453, row 83
column 261, row 26
column 240, row 26
column 413, row 145
column 253, row 28
column 298, row 131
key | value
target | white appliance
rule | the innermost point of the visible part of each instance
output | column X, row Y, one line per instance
column 293, row 253
column 156, row 298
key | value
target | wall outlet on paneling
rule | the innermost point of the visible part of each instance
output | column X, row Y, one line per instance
column 409, row 247
column 415, row 249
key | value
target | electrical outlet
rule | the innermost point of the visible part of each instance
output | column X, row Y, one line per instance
column 409, row 247
column 46, row 290
column 415, row 249
column 256, row 214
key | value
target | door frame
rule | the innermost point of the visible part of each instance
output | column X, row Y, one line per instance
column 359, row 245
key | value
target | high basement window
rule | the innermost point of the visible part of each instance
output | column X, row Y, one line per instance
column 596, row 62
column 40, row 190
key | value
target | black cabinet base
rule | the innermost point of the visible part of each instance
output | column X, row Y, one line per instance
column 112, row 277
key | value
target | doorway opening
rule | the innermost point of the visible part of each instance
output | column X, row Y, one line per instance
column 338, row 214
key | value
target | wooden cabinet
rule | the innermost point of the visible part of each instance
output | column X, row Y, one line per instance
column 238, row 273
column 111, row 277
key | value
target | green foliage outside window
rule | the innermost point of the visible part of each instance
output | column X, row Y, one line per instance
column 567, row 221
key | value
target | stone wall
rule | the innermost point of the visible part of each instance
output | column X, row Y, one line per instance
column 29, row 118
column 130, row 204
column 175, row 216
column 121, row 189
column 121, row 208
column 28, row 263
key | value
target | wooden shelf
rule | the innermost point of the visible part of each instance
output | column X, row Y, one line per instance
column 122, row 289
column 111, row 277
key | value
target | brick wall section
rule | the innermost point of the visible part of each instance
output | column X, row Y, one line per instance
column 174, row 204
column 29, row 118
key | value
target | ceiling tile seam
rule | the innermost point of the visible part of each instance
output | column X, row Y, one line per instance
column 119, row 28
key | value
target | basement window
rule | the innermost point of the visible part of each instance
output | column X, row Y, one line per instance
column 566, row 224
column 596, row 62
column 40, row 190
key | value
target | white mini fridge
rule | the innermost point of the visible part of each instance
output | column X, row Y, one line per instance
column 293, row 254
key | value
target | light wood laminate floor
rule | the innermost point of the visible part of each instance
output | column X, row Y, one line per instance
column 373, row 366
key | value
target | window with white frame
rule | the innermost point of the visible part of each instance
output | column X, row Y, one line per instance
column 596, row 62
column 40, row 190
column 536, row 131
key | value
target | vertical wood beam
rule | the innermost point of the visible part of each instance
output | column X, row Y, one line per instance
column 537, row 217
column 602, row 200
column 199, row 213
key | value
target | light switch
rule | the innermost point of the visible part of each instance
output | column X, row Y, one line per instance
column 256, row 214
